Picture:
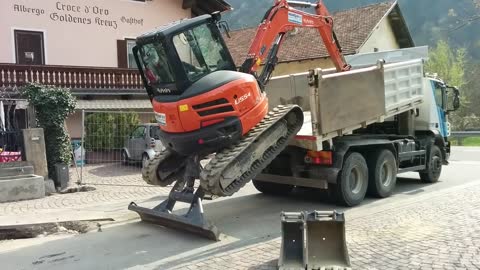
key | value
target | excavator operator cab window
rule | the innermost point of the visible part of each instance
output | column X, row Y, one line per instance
column 201, row 52
column 156, row 67
column 173, row 59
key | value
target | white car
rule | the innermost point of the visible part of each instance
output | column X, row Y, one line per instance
column 142, row 144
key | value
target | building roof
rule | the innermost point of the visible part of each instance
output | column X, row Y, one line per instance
column 353, row 27
column 200, row 7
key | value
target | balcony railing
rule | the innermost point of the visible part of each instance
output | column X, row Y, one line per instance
column 13, row 75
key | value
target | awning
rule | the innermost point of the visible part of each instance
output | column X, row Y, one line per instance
column 113, row 104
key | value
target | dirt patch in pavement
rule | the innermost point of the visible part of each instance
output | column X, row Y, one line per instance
column 43, row 229
column 76, row 189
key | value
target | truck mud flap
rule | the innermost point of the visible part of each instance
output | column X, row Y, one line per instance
column 326, row 246
column 193, row 221
column 292, row 247
column 313, row 240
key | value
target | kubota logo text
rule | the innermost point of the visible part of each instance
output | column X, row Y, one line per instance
column 242, row 98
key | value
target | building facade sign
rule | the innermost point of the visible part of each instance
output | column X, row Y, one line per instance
column 82, row 14
column 79, row 32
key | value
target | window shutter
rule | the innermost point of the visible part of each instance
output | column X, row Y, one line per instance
column 122, row 53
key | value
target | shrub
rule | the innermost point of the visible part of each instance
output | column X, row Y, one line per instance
column 106, row 131
column 52, row 106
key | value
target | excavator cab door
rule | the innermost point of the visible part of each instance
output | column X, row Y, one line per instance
column 177, row 55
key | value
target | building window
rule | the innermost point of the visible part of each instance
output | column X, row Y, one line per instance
column 131, row 60
column 125, row 53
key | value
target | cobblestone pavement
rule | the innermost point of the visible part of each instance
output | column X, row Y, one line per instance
column 113, row 183
column 440, row 233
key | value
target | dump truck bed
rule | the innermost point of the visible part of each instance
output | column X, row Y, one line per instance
column 347, row 101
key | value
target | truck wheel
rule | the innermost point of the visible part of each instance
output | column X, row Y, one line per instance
column 352, row 180
column 272, row 188
column 434, row 166
column 382, row 168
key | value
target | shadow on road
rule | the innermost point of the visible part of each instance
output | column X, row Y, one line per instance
column 249, row 219
column 110, row 170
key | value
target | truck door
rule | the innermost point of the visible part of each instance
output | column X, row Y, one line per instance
column 440, row 93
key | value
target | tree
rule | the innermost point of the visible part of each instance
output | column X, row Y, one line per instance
column 472, row 87
column 466, row 17
column 450, row 65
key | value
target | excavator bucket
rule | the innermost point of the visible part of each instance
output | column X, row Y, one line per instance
column 313, row 241
column 183, row 191
column 191, row 222
column 292, row 248
column 326, row 246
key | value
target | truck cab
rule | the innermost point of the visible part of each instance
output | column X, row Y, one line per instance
column 440, row 100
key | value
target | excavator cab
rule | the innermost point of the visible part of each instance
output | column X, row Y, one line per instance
column 177, row 55
column 186, row 67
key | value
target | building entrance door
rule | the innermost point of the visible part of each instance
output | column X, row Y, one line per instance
column 29, row 47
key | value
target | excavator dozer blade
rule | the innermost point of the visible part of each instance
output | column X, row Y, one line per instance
column 326, row 246
column 192, row 222
column 292, row 248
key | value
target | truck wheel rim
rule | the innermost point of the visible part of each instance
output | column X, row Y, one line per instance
column 144, row 161
column 355, row 180
column 386, row 174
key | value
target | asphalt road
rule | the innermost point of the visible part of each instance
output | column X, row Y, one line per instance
column 246, row 219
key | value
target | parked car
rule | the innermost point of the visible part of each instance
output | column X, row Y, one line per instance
column 142, row 144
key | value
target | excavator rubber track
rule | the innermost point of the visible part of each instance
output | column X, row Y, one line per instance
column 164, row 169
column 233, row 167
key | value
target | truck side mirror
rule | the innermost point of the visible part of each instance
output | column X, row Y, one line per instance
column 456, row 103
column 456, row 99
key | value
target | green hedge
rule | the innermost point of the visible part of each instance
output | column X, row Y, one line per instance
column 52, row 106
column 106, row 131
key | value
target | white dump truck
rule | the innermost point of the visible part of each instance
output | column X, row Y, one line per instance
column 363, row 127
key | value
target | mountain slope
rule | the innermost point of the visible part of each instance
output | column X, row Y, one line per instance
column 428, row 20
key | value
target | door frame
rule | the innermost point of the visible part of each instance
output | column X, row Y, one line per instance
column 14, row 48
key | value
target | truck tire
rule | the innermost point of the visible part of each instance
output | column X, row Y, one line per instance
column 382, row 168
column 279, row 166
column 352, row 182
column 434, row 166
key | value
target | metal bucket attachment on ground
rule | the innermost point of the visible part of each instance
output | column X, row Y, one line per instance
column 292, row 248
column 326, row 246
column 193, row 221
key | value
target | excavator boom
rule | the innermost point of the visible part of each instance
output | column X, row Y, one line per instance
column 279, row 20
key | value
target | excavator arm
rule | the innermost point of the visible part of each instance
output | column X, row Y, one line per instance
column 281, row 18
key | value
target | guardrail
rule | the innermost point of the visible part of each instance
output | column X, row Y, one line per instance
column 460, row 135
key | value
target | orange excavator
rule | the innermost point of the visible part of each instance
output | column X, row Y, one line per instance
column 205, row 106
